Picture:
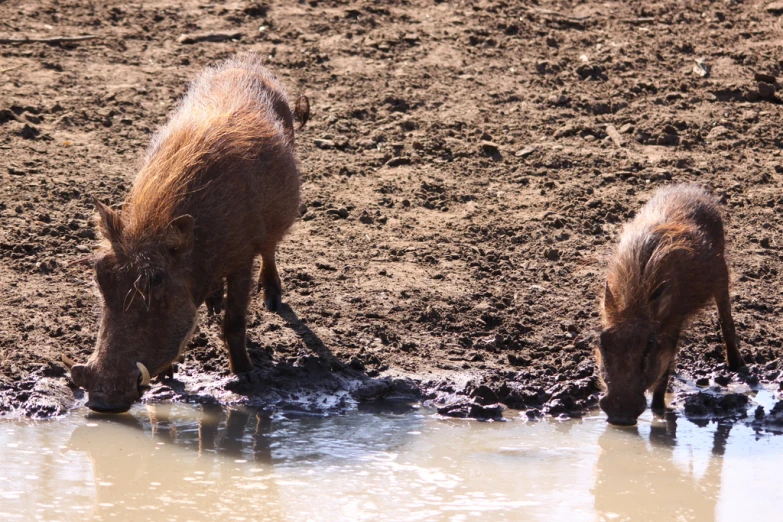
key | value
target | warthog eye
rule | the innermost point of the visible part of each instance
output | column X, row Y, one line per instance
column 156, row 279
column 652, row 341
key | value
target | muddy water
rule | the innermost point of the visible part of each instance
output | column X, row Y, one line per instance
column 185, row 462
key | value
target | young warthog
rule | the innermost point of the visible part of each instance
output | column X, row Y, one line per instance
column 667, row 266
column 219, row 185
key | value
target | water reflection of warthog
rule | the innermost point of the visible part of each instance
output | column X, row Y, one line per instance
column 646, row 483
column 129, row 466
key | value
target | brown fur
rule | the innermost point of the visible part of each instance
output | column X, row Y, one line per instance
column 219, row 186
column 668, row 264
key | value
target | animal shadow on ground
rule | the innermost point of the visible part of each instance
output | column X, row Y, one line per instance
column 313, row 382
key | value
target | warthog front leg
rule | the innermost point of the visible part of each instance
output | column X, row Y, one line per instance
column 237, row 300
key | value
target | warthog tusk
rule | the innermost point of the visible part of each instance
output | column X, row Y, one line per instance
column 145, row 374
column 67, row 361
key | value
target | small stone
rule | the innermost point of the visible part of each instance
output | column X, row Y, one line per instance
column 701, row 68
column 552, row 254
column 396, row 162
column 324, row 144
column 766, row 90
column 341, row 212
column 524, row 152
column 188, row 39
column 489, row 147
column 86, row 233
column 752, row 95
column 766, row 78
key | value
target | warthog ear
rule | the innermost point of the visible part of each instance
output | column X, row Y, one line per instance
column 110, row 223
column 609, row 303
column 302, row 110
column 78, row 375
column 661, row 300
column 179, row 238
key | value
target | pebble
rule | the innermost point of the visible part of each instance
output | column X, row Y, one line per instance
column 324, row 144
column 188, row 39
column 396, row 162
column 766, row 90
column 341, row 212
column 767, row 78
column 489, row 147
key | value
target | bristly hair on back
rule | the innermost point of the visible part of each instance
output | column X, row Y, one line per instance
column 174, row 172
column 640, row 266
column 209, row 128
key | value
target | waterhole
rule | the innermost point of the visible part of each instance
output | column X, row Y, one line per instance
column 393, row 462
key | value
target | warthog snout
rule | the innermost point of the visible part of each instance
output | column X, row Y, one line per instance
column 622, row 410
column 109, row 394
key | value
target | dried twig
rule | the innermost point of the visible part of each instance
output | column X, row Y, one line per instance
column 54, row 40
column 548, row 12
column 3, row 71
column 639, row 21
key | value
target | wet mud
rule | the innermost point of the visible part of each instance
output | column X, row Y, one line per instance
column 465, row 172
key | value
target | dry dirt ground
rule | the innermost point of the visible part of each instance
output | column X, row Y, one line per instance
column 466, row 169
